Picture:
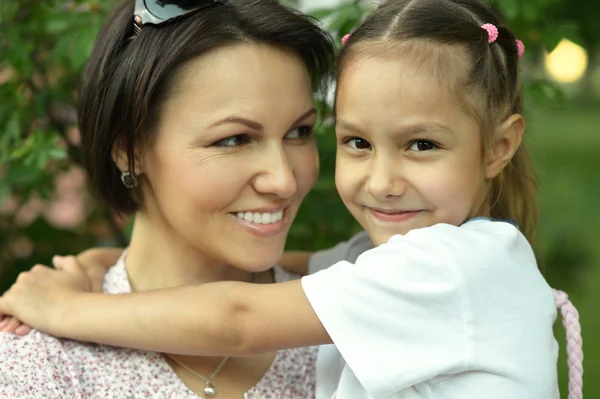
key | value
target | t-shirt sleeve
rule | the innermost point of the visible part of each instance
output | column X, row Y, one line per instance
column 35, row 366
column 346, row 250
column 396, row 316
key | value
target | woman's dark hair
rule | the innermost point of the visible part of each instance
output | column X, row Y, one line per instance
column 128, row 75
column 490, row 90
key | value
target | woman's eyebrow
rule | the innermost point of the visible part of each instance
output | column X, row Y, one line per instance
column 305, row 115
column 255, row 125
column 238, row 119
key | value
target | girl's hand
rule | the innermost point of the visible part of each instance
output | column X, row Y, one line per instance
column 40, row 296
column 96, row 262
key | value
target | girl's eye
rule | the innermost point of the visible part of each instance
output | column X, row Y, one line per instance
column 422, row 145
column 357, row 143
column 300, row 133
column 233, row 141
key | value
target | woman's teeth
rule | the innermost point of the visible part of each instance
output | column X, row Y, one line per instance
column 260, row 218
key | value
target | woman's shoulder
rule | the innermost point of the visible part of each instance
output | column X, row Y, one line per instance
column 292, row 375
column 19, row 351
column 35, row 366
column 39, row 365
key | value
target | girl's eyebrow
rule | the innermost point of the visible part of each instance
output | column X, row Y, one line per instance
column 425, row 127
column 349, row 126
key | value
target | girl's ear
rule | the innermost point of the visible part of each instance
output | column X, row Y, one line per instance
column 507, row 141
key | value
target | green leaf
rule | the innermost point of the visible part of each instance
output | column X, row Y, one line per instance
column 553, row 35
column 54, row 26
column 544, row 92
column 40, row 159
column 5, row 191
column 510, row 8
column 550, row 39
column 61, row 49
column 20, row 175
column 13, row 127
column 322, row 13
column 531, row 11
column 345, row 14
column 57, row 153
column 82, row 48
column 571, row 31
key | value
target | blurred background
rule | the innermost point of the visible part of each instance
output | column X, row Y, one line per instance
column 46, row 206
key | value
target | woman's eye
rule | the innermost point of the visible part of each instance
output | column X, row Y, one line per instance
column 357, row 143
column 422, row 145
column 300, row 133
column 233, row 141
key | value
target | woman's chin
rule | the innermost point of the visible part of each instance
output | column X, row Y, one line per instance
column 257, row 262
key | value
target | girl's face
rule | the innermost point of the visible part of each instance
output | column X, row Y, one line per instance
column 408, row 155
column 233, row 156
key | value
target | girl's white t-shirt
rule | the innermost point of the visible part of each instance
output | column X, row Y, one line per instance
column 442, row 312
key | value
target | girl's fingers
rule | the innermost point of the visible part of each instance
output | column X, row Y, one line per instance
column 57, row 261
column 23, row 329
column 4, row 321
column 11, row 326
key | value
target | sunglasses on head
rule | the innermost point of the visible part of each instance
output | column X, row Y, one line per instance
column 157, row 12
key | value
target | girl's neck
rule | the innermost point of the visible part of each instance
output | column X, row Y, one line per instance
column 160, row 258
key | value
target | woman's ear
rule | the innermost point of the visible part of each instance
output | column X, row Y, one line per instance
column 506, row 142
column 121, row 158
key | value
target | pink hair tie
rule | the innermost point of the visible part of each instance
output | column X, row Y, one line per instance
column 520, row 48
column 492, row 32
column 345, row 38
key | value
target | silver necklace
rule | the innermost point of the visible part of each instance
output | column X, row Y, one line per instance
column 210, row 390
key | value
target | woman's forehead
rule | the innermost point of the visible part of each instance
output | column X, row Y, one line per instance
column 248, row 80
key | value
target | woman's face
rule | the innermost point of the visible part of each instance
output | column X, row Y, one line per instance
column 234, row 155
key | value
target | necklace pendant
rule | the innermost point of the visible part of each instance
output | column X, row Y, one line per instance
column 210, row 391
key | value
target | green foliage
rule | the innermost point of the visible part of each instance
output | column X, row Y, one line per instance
column 44, row 47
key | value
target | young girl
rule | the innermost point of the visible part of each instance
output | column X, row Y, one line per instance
column 450, row 304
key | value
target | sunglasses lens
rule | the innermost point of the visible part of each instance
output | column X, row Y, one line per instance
column 170, row 9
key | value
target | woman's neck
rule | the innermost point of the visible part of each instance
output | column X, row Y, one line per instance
column 160, row 258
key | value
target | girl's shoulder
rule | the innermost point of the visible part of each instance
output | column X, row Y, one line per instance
column 281, row 275
column 469, row 245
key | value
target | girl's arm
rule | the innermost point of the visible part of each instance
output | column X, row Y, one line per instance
column 216, row 319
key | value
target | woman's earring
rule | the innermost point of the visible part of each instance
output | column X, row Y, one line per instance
column 129, row 180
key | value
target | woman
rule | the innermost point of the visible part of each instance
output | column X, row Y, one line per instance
column 199, row 119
